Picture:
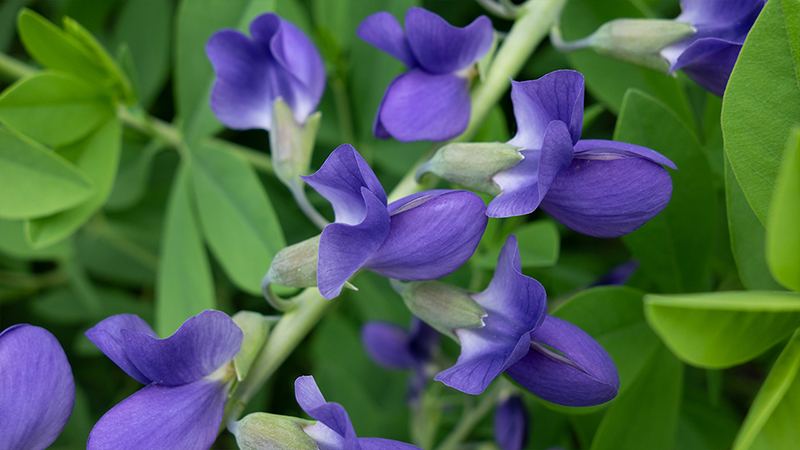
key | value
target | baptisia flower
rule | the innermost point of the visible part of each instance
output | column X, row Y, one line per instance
column 511, row 423
column 551, row 358
column 430, row 101
column 278, row 60
column 37, row 391
column 708, row 56
column 187, row 377
column 420, row 237
column 596, row 187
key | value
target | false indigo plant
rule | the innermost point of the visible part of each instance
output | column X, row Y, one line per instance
column 511, row 423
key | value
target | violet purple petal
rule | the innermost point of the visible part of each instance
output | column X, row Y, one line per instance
column 515, row 306
column 37, row 391
column 603, row 149
column 421, row 106
column 583, row 374
column 159, row 417
column 608, row 198
column 720, row 13
column 555, row 96
column 430, row 236
column 387, row 345
column 383, row 31
column 709, row 63
column 511, row 424
column 331, row 415
column 200, row 346
column 442, row 48
column 107, row 336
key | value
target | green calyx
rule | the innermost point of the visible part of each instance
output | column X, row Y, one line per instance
column 472, row 165
column 442, row 306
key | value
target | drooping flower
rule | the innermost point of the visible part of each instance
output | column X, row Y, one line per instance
column 420, row 237
column 187, row 377
column 511, row 423
column 708, row 56
column 37, row 391
column 278, row 60
column 334, row 431
column 431, row 101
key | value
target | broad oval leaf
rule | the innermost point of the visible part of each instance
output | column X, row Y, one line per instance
column 35, row 181
column 783, row 237
column 722, row 329
column 762, row 101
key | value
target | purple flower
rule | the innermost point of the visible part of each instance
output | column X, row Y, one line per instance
column 420, row 237
column 187, row 377
column 37, row 390
column 277, row 61
column 518, row 337
column 708, row 56
column 511, row 424
column 431, row 101
column 334, row 431
column 596, row 187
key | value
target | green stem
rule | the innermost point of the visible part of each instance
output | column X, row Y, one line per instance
column 472, row 416
column 11, row 68
column 344, row 114
column 299, row 194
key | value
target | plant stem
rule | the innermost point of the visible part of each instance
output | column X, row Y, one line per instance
column 472, row 416
column 12, row 68
column 299, row 194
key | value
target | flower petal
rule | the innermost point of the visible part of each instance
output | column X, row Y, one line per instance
column 340, row 180
column 420, row 106
column 387, row 345
column 555, row 96
column 159, row 417
column 585, row 377
column 344, row 248
column 603, row 149
column 200, row 346
column 382, row 30
column 431, row 235
column 525, row 184
column 709, row 62
column 241, row 97
column 515, row 306
column 384, row 444
column 330, row 414
column 37, row 391
column 107, row 336
column 442, row 48
column 608, row 198
column 511, row 424
column 720, row 13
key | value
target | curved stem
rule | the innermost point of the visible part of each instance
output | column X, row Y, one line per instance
column 299, row 194
column 563, row 46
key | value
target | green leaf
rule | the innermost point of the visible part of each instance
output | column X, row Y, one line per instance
column 702, row 426
column 772, row 422
column 197, row 20
column 722, row 329
column 783, row 228
column 54, row 109
column 8, row 18
column 494, row 128
column 238, row 220
column 133, row 174
column 35, row 181
column 762, row 101
column 184, row 287
column 14, row 243
column 675, row 246
column 539, row 244
column 97, row 156
column 747, row 237
column 64, row 306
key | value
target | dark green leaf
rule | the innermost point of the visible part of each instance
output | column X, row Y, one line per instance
column 133, row 175
column 538, row 242
column 14, row 243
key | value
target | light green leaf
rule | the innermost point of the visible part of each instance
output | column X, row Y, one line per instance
column 35, row 181
column 539, row 244
column 675, row 246
column 14, row 243
column 184, row 287
column 702, row 426
column 762, row 101
column 773, row 422
column 783, row 228
column 722, row 329
column 53, row 108
column 97, row 156
column 238, row 220
column 197, row 21
column 747, row 237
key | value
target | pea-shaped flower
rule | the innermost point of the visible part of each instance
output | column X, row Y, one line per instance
column 37, row 391
column 430, row 101
column 187, row 377
column 277, row 60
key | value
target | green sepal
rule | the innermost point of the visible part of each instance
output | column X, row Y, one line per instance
column 295, row 265
column 472, row 165
column 291, row 144
column 262, row 431
column 255, row 327
column 442, row 306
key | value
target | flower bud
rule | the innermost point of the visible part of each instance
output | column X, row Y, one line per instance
column 256, row 330
column 262, row 431
column 472, row 165
column 295, row 265
column 291, row 144
column 442, row 306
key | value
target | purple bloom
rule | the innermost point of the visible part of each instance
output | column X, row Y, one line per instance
column 511, row 424
column 596, row 187
column 708, row 56
column 277, row 61
column 420, row 237
column 187, row 377
column 431, row 101
column 37, row 391
column 334, row 431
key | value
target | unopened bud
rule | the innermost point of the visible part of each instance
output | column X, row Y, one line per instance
column 442, row 306
column 472, row 165
column 295, row 265
column 256, row 330
column 291, row 144
column 262, row 431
